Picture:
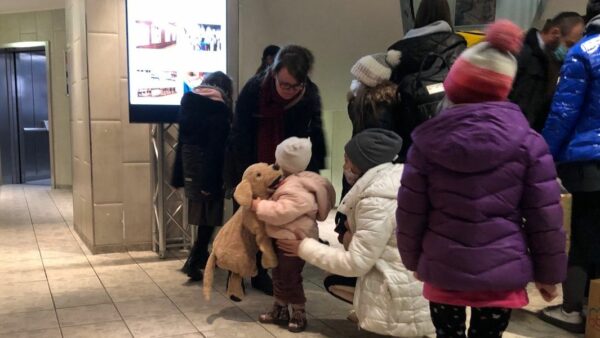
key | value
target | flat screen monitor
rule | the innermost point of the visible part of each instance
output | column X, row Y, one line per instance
column 171, row 46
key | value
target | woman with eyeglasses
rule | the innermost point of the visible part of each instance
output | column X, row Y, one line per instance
column 273, row 106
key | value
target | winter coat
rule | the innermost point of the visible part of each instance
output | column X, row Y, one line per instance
column 573, row 126
column 387, row 298
column 437, row 38
column 479, row 207
column 535, row 82
column 303, row 119
column 298, row 202
column 203, row 130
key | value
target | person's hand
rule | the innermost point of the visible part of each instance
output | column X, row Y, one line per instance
column 254, row 205
column 205, row 193
column 291, row 246
column 548, row 292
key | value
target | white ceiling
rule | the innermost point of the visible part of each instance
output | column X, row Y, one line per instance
column 13, row 6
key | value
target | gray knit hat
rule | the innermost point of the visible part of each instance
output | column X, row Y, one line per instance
column 373, row 147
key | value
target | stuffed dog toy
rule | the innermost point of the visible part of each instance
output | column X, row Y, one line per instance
column 236, row 244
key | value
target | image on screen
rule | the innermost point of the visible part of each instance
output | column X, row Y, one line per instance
column 171, row 45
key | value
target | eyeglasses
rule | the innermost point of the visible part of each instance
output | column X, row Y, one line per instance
column 289, row 86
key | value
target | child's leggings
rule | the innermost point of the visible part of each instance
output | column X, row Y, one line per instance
column 450, row 321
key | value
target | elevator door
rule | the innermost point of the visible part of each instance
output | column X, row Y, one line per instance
column 24, row 136
column 32, row 108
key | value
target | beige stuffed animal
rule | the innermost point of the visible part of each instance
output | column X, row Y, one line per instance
column 236, row 244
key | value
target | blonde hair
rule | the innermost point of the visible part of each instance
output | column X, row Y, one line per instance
column 371, row 102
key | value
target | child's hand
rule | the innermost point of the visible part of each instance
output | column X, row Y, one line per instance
column 254, row 205
column 548, row 292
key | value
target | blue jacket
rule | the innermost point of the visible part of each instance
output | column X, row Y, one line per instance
column 573, row 126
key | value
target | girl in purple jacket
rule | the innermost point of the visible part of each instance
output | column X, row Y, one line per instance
column 479, row 213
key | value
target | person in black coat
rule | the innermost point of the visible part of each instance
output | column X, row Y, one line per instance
column 539, row 65
column 204, row 123
column 433, row 34
column 274, row 105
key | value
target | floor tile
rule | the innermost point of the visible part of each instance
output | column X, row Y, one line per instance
column 160, row 326
column 147, row 308
column 25, row 297
column 116, row 329
column 132, row 291
column 81, row 297
column 115, row 259
column 46, row 333
column 213, row 318
column 87, row 315
column 122, row 275
column 27, row 321
column 242, row 330
column 22, row 271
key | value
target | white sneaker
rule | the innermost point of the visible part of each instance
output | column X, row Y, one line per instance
column 557, row 316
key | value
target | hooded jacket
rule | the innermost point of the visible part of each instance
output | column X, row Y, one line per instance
column 203, row 129
column 387, row 298
column 296, row 205
column 479, row 207
column 573, row 126
column 417, row 47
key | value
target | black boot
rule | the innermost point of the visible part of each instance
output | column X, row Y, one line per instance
column 196, row 261
column 262, row 281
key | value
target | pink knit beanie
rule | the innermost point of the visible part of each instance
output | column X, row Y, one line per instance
column 485, row 72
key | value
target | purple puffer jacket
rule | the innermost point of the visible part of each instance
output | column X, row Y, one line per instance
column 479, row 206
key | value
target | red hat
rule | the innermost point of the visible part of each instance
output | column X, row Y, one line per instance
column 485, row 72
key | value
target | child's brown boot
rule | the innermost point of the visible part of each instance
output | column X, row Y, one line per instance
column 298, row 321
column 279, row 315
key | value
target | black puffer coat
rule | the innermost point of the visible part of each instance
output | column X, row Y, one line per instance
column 301, row 120
column 415, row 51
column 203, row 132
column 535, row 83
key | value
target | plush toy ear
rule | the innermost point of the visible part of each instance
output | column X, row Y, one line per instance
column 243, row 193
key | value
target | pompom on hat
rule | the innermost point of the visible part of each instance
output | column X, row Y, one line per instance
column 485, row 72
column 372, row 70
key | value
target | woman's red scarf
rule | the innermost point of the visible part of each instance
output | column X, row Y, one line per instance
column 270, row 124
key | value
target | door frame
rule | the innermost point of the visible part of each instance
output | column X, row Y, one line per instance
column 32, row 46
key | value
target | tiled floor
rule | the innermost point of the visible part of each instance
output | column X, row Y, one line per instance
column 50, row 286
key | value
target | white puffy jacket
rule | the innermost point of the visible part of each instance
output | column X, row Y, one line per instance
column 388, row 299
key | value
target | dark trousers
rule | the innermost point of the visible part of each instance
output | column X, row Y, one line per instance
column 287, row 279
column 584, row 254
column 450, row 321
column 207, row 215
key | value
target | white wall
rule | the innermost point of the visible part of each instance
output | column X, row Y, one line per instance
column 553, row 7
column 338, row 32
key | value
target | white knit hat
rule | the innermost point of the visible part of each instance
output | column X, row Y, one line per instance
column 293, row 154
column 374, row 69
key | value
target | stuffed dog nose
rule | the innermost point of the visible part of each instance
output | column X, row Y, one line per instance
column 276, row 166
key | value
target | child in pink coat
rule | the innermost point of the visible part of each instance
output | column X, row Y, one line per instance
column 299, row 201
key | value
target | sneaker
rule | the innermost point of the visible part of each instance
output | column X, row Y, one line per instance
column 569, row 321
column 298, row 321
column 279, row 315
column 263, row 282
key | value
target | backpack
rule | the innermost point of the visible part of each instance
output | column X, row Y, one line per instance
column 419, row 95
